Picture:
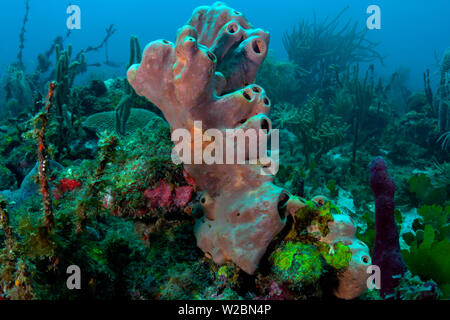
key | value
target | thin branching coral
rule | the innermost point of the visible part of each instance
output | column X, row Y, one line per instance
column 316, row 131
column 41, row 122
column 443, row 93
column 319, row 48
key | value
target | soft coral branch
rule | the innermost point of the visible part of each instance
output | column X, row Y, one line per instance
column 40, row 125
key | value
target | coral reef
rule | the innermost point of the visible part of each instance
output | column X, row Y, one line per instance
column 19, row 96
column 296, row 265
column 66, row 112
column 429, row 259
column 316, row 133
column 22, row 35
column 335, row 235
column 41, row 123
column 108, row 144
column 443, row 94
column 352, row 279
column 319, row 49
column 123, row 109
column 363, row 94
column 278, row 80
column 243, row 210
column 102, row 185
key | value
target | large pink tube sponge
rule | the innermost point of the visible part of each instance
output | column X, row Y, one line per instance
column 206, row 76
column 386, row 251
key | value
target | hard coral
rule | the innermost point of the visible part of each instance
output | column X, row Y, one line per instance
column 205, row 76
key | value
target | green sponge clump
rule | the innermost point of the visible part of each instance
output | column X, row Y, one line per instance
column 296, row 264
column 338, row 256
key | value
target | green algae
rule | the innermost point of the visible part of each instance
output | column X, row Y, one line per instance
column 296, row 264
column 338, row 255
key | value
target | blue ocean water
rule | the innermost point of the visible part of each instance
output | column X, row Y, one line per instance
column 412, row 35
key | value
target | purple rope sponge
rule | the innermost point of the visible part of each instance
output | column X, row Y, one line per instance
column 386, row 251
